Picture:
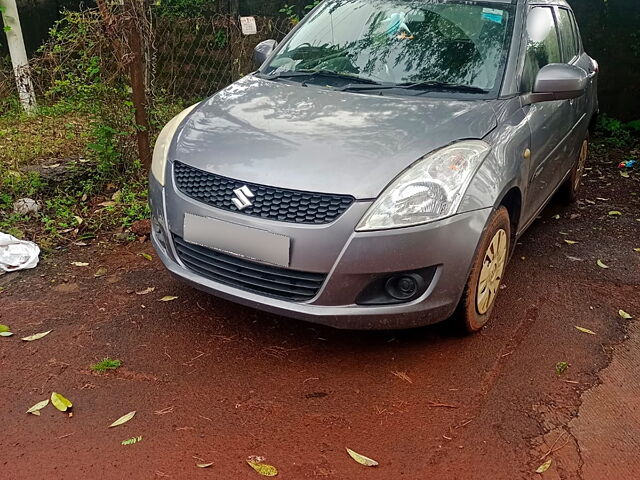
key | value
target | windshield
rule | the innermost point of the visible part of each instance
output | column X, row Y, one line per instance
column 402, row 42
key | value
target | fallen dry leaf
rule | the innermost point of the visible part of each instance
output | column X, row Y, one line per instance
column 6, row 334
column 636, row 250
column 80, row 264
column 361, row 459
column 60, row 402
column 586, row 330
column 38, row 406
column 37, row 336
column 544, row 467
column 101, row 272
column 123, row 419
column 107, row 204
column 624, row 174
column 262, row 468
column 204, row 465
column 168, row 298
column 570, row 242
column 146, row 291
column 601, row 264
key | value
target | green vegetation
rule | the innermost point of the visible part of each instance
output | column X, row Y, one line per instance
column 76, row 156
column 106, row 364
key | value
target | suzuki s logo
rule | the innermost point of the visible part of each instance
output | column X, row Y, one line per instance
column 243, row 194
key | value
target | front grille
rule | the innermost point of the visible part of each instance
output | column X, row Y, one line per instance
column 247, row 275
column 272, row 203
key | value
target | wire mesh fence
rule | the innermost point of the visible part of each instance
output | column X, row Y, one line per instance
column 188, row 55
column 192, row 58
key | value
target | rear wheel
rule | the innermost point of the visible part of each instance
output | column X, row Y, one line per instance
column 483, row 285
column 571, row 188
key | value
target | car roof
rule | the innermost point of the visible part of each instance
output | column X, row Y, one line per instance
column 559, row 3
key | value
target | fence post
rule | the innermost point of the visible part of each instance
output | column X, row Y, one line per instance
column 18, row 54
column 138, row 90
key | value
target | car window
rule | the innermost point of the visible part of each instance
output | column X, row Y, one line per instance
column 457, row 42
column 565, row 27
column 543, row 45
column 576, row 32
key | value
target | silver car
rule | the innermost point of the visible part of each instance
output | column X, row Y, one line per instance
column 379, row 167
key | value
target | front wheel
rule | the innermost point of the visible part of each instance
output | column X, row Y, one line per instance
column 483, row 285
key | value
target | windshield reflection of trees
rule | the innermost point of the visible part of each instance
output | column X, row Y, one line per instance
column 435, row 50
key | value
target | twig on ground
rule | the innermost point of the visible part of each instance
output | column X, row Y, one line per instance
column 553, row 446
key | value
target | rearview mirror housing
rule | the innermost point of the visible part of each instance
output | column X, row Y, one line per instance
column 559, row 81
column 263, row 51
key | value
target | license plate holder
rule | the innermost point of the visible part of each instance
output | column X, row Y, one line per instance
column 238, row 240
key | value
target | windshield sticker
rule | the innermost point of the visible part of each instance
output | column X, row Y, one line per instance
column 493, row 15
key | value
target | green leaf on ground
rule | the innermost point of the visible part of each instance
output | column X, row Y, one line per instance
column 601, row 264
column 131, row 441
column 262, row 468
column 60, row 402
column 544, row 467
column 123, row 419
column 4, row 328
column 37, row 336
column 146, row 256
column 570, row 242
column 615, row 213
column 561, row 367
column 38, row 406
column 168, row 298
column 624, row 315
column 361, row 459
column 106, row 364
column 586, row 330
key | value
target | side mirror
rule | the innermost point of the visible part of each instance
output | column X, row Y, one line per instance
column 559, row 81
column 263, row 51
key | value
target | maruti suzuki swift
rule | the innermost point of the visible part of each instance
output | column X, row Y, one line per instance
column 377, row 169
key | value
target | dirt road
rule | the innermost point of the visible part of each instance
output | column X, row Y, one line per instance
column 215, row 382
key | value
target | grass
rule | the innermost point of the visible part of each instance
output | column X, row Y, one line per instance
column 106, row 364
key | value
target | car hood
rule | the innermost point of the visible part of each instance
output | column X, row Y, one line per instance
column 314, row 139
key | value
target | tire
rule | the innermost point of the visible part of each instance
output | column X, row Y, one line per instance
column 478, row 298
column 571, row 188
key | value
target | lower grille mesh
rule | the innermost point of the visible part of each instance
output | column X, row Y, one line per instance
column 247, row 275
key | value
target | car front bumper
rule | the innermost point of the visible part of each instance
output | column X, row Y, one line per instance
column 351, row 260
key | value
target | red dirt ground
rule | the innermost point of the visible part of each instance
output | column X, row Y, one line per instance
column 215, row 382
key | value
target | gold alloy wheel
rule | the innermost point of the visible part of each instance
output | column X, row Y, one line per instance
column 491, row 273
column 582, row 162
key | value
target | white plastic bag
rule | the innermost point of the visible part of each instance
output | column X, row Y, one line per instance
column 17, row 254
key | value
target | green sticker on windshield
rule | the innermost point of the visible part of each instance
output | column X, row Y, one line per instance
column 493, row 14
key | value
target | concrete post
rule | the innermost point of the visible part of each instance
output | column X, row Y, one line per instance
column 18, row 54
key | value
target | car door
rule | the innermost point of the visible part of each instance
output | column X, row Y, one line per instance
column 550, row 122
column 571, row 54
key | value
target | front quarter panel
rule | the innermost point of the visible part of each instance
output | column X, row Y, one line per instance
column 506, row 166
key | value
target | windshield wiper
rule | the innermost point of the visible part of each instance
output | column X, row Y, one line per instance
column 319, row 73
column 426, row 86
column 430, row 86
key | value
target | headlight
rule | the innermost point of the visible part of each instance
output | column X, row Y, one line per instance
column 429, row 190
column 161, row 150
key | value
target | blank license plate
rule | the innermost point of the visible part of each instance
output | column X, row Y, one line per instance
column 239, row 240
